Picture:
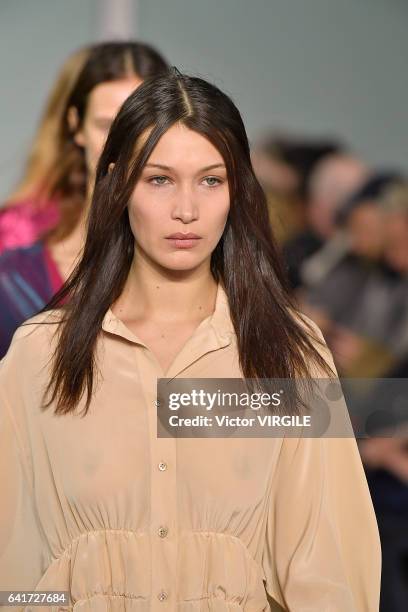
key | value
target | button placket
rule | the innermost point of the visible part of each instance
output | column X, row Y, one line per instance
column 163, row 502
column 164, row 518
column 163, row 490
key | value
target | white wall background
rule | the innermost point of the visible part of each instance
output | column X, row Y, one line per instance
column 322, row 67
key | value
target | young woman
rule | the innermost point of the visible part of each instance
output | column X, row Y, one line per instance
column 179, row 278
column 30, row 276
column 32, row 208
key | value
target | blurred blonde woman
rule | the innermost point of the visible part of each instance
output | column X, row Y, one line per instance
column 32, row 208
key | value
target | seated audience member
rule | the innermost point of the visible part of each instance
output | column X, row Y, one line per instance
column 333, row 179
column 283, row 164
column 358, row 300
column 369, row 290
column 395, row 206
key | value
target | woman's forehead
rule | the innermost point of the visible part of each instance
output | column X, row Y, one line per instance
column 180, row 145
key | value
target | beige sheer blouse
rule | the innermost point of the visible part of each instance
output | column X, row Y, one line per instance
column 123, row 520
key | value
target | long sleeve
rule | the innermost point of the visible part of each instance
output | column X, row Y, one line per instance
column 322, row 551
column 322, row 547
column 22, row 555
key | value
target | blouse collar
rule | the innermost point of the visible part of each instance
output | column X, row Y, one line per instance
column 219, row 322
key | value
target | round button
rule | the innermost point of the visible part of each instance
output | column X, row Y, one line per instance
column 156, row 403
column 162, row 595
column 162, row 466
column 162, row 531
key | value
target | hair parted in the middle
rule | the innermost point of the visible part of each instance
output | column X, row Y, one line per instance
column 272, row 342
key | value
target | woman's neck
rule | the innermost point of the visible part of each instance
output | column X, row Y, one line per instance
column 163, row 296
column 66, row 252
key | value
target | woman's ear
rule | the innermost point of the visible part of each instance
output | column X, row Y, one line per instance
column 73, row 123
column 111, row 167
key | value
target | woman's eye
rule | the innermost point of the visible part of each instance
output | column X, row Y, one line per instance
column 212, row 181
column 158, row 180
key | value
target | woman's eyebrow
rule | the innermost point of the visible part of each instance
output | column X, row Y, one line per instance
column 168, row 168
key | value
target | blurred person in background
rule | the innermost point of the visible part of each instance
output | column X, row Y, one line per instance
column 386, row 457
column 29, row 276
column 283, row 164
column 32, row 208
column 395, row 206
column 363, row 308
column 359, row 300
column 333, row 179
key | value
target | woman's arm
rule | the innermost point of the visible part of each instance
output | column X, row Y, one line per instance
column 21, row 544
column 23, row 553
column 322, row 550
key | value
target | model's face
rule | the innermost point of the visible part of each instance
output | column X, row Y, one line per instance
column 183, row 189
column 103, row 104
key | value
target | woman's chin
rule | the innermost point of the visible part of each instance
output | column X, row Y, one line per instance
column 183, row 263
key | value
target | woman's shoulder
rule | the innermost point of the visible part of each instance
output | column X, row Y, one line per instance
column 318, row 341
column 37, row 322
column 40, row 326
column 308, row 325
column 26, row 367
column 34, row 340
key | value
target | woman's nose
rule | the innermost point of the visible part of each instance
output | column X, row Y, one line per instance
column 185, row 208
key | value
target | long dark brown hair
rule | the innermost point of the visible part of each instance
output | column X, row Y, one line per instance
column 272, row 343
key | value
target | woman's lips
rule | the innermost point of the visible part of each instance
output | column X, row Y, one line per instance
column 183, row 241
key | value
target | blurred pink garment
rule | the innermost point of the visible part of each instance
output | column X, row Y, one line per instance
column 23, row 223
